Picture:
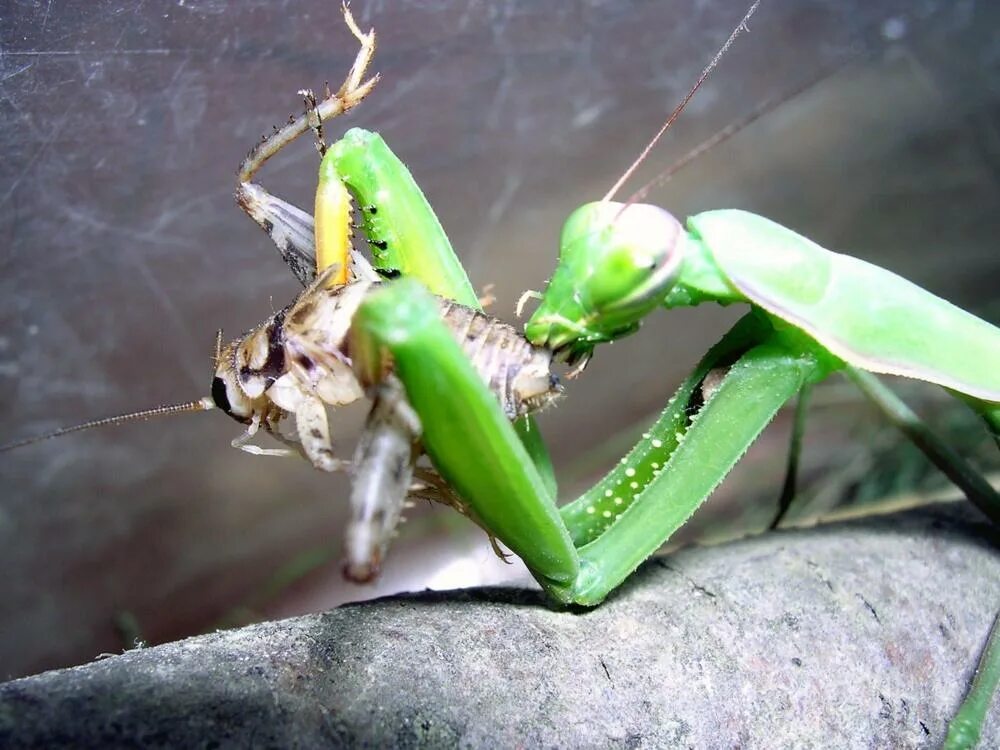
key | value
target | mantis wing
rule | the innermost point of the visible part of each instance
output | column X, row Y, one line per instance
column 869, row 317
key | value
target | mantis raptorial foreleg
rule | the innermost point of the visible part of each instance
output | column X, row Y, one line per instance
column 582, row 553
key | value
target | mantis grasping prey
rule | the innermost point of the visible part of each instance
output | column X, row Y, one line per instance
column 618, row 263
column 562, row 551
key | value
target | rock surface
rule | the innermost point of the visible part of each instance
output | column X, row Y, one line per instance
column 857, row 634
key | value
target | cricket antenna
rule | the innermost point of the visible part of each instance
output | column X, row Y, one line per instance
column 742, row 26
column 202, row 404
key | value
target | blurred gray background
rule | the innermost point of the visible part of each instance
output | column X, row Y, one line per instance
column 122, row 252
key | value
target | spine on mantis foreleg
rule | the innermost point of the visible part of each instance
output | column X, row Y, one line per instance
column 398, row 222
column 403, row 232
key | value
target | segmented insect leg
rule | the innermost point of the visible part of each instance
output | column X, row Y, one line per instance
column 384, row 462
column 289, row 227
column 314, row 433
column 243, row 443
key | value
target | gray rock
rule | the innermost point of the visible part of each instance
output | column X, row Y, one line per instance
column 857, row 634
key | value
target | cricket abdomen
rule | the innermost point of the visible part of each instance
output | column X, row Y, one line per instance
column 517, row 372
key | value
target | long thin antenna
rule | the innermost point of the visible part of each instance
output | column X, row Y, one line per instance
column 202, row 404
column 742, row 26
column 765, row 107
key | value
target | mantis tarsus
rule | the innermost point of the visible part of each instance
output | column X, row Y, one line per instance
column 378, row 333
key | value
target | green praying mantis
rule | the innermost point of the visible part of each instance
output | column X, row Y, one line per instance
column 618, row 263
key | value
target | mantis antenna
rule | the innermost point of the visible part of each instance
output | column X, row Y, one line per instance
column 742, row 26
column 767, row 106
column 203, row 404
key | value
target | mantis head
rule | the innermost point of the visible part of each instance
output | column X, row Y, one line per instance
column 616, row 263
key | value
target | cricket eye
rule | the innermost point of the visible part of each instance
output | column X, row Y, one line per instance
column 219, row 395
column 230, row 397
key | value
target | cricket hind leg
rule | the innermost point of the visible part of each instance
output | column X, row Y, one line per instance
column 384, row 470
column 384, row 465
column 289, row 227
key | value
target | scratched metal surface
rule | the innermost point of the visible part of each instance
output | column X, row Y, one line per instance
column 121, row 127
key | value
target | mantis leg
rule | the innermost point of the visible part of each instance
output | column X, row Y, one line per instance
column 965, row 728
column 790, row 485
column 588, row 516
column 951, row 464
column 403, row 232
column 401, row 228
column 474, row 448
column 465, row 432
column 712, row 441
column 988, row 410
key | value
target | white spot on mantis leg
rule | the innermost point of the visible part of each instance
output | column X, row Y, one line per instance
column 591, row 509
column 657, row 443
column 630, row 472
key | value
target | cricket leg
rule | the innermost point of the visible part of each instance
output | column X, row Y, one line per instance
column 291, row 228
column 465, row 431
column 383, row 470
column 314, row 433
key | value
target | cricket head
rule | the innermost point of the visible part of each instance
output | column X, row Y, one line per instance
column 616, row 263
column 247, row 367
